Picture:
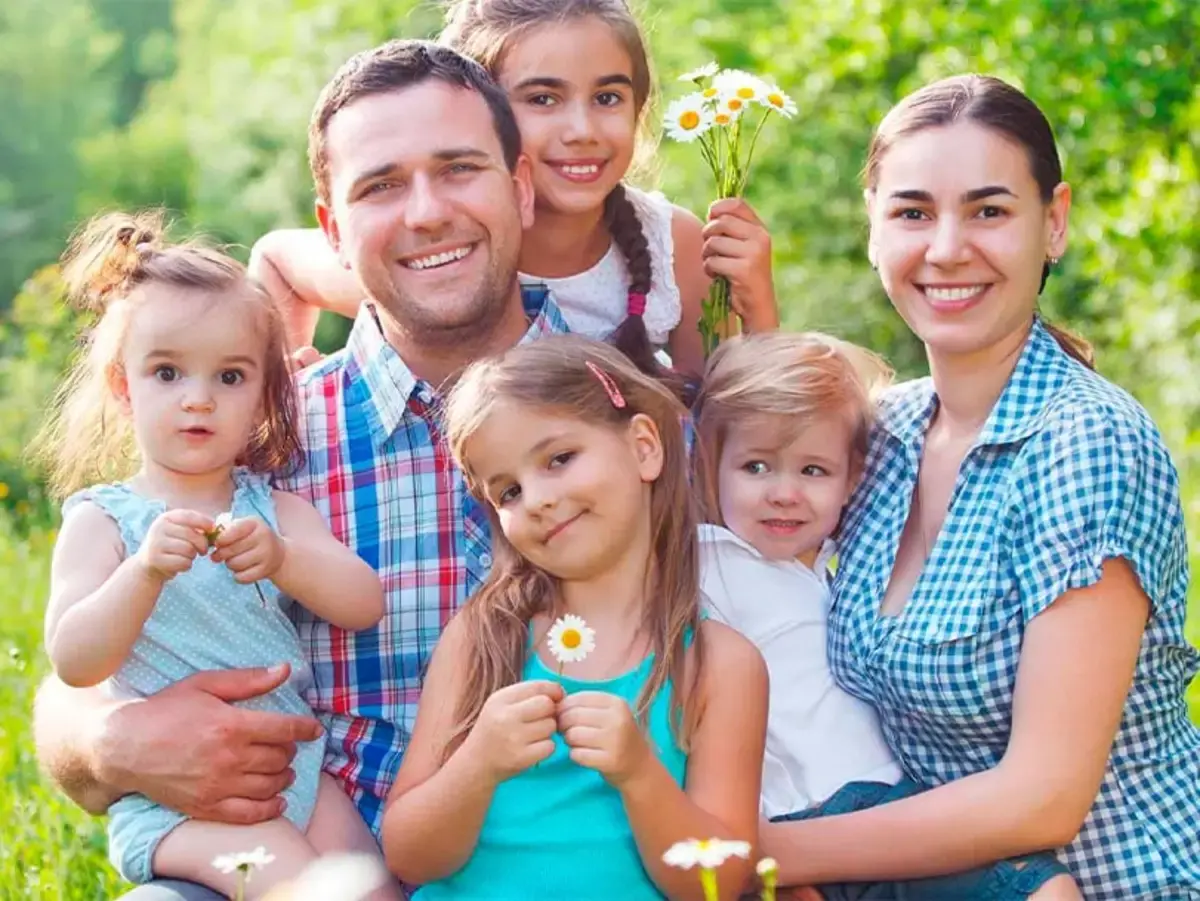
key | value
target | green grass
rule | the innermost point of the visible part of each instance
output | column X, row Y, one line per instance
column 48, row 848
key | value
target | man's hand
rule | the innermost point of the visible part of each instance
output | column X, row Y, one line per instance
column 190, row 750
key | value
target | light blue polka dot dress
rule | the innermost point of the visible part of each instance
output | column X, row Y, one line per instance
column 203, row 620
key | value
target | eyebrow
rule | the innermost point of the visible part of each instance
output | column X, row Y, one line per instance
column 558, row 84
column 235, row 359
column 969, row 197
column 445, row 155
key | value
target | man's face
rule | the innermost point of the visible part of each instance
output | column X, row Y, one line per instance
column 424, row 211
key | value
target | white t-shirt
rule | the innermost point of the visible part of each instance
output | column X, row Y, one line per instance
column 596, row 301
column 819, row 737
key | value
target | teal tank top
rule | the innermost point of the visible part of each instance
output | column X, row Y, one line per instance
column 558, row 830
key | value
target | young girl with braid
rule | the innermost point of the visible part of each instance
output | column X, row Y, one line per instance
column 622, row 264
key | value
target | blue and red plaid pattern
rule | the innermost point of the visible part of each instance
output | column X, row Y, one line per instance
column 377, row 470
column 1068, row 471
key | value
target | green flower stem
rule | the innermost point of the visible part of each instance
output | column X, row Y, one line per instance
column 240, row 893
column 750, row 153
column 708, row 882
column 769, row 880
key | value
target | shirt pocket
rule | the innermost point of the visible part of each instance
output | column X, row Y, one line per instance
column 955, row 661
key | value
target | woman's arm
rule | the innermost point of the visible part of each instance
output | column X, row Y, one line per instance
column 302, row 273
column 99, row 600
column 1076, row 667
column 724, row 772
column 320, row 572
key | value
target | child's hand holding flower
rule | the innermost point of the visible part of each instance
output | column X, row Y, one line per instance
column 603, row 735
column 250, row 548
column 515, row 729
column 173, row 542
column 737, row 247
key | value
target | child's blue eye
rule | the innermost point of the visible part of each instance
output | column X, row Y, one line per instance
column 755, row 467
column 232, row 377
column 814, row 470
column 508, row 495
column 165, row 373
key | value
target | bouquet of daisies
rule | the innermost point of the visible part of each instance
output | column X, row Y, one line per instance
column 724, row 117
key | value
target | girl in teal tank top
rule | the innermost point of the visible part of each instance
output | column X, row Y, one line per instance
column 529, row 776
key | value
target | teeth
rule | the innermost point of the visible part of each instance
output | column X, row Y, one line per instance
column 438, row 259
column 952, row 294
column 580, row 170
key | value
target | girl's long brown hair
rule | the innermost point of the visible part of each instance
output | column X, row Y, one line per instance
column 110, row 263
column 484, row 30
column 551, row 375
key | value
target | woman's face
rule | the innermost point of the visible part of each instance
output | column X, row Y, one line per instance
column 959, row 233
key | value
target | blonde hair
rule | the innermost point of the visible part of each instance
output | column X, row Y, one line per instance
column 553, row 374
column 786, row 374
column 87, row 438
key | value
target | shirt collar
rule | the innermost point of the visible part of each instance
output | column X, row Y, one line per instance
column 710, row 533
column 1041, row 370
column 380, row 382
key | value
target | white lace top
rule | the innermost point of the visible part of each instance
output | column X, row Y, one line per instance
column 594, row 302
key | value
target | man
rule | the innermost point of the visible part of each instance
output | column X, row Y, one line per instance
column 423, row 193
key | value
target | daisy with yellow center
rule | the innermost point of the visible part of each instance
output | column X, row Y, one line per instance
column 688, row 118
column 708, row 855
column 736, row 83
column 780, row 102
column 708, row 70
column 570, row 640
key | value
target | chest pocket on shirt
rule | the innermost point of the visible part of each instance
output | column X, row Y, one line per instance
column 953, row 657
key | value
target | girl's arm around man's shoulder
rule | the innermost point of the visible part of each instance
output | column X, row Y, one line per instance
column 724, row 771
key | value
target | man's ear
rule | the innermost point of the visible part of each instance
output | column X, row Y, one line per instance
column 523, row 185
column 118, row 384
column 329, row 225
column 647, row 447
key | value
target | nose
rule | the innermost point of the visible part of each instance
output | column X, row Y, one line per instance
column 578, row 123
column 538, row 496
column 198, row 397
column 948, row 245
column 425, row 208
column 783, row 491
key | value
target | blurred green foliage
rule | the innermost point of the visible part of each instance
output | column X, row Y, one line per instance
column 203, row 106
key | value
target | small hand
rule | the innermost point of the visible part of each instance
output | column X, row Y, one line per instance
column 515, row 728
column 304, row 356
column 173, row 542
column 250, row 548
column 738, row 246
column 603, row 735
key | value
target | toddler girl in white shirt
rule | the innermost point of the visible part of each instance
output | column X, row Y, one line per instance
column 782, row 421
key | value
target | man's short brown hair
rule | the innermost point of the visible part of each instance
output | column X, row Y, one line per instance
column 400, row 64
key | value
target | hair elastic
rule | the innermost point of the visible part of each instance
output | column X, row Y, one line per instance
column 637, row 304
column 610, row 387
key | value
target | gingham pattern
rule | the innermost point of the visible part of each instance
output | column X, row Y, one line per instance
column 1068, row 472
column 377, row 471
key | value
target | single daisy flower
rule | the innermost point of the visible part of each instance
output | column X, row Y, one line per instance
column 730, row 105
column 768, row 874
column 688, row 118
column 707, row 854
column 246, row 861
column 571, row 639
column 220, row 524
column 780, row 102
column 708, row 70
column 742, row 85
column 723, row 118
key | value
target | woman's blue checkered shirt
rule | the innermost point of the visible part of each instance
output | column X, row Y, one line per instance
column 1068, row 472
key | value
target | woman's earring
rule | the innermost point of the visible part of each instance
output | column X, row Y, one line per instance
column 1053, row 260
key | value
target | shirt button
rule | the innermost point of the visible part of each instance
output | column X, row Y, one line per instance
column 485, row 560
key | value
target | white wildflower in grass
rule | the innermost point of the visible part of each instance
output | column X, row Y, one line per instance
column 245, row 864
column 780, row 102
column 768, row 874
column 720, row 119
column 571, row 639
column 708, row 70
column 708, row 855
column 704, row 853
column 688, row 118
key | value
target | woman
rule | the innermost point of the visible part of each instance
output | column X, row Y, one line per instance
column 1012, row 584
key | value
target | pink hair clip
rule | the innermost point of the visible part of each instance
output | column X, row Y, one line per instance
column 636, row 304
column 610, row 387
